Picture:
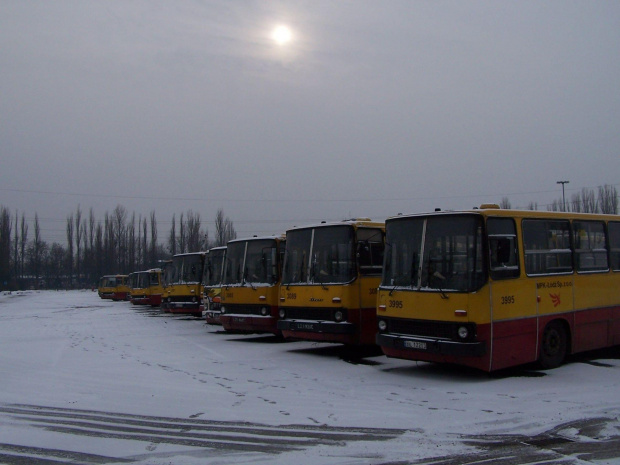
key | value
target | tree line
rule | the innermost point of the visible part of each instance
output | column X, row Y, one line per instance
column 123, row 243
column 119, row 244
column 586, row 201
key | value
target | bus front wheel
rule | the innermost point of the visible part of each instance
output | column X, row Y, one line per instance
column 554, row 345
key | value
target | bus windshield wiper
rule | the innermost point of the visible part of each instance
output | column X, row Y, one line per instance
column 441, row 277
column 314, row 277
column 321, row 281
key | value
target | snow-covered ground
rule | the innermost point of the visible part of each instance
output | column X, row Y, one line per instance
column 84, row 380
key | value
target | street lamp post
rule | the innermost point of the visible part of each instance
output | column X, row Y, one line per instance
column 563, row 198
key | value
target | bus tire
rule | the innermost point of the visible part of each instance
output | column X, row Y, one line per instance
column 554, row 345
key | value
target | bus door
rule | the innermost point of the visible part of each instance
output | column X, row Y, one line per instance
column 549, row 265
column 513, row 300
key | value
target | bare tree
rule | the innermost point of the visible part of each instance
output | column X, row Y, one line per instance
column 109, row 262
column 505, row 204
column 532, row 206
column 588, row 201
column 16, row 247
column 119, row 219
column 153, row 250
column 145, row 249
column 23, row 241
column 78, row 241
column 224, row 229
column 575, row 204
column 557, row 206
column 37, row 250
column 195, row 235
column 131, row 242
column 172, row 238
column 182, row 238
column 99, row 248
column 608, row 199
column 229, row 230
column 89, row 256
column 69, row 268
column 5, row 247
column 54, row 265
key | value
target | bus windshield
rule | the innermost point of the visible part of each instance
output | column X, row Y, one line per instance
column 144, row 280
column 254, row 261
column 139, row 280
column 108, row 281
column 186, row 269
column 436, row 253
column 213, row 267
column 323, row 255
column 167, row 273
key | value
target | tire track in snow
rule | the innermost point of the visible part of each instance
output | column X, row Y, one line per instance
column 572, row 443
column 193, row 433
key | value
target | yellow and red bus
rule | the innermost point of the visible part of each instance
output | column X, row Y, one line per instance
column 182, row 293
column 212, row 282
column 491, row 288
column 146, row 287
column 115, row 287
column 329, row 282
column 251, row 284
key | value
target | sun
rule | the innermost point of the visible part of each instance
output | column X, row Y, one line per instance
column 282, row 35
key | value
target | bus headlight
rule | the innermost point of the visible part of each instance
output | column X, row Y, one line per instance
column 264, row 311
column 223, row 310
column 382, row 325
column 463, row 332
column 338, row 316
column 282, row 313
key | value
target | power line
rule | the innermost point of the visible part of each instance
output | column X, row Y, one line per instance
column 306, row 200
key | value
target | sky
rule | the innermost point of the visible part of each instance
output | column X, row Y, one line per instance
column 369, row 110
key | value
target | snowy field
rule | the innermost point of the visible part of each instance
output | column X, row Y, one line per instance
column 88, row 381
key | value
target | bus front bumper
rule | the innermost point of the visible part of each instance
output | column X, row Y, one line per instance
column 249, row 323
column 184, row 307
column 433, row 346
column 314, row 326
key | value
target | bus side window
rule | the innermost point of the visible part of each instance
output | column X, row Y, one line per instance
column 590, row 246
column 547, row 246
column 614, row 245
column 503, row 250
column 370, row 248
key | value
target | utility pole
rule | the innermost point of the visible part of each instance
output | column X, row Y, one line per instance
column 563, row 198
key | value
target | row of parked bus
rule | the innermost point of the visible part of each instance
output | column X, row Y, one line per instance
column 486, row 288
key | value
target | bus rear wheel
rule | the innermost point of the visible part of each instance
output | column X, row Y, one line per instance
column 554, row 345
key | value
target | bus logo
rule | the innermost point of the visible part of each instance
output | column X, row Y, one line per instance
column 555, row 298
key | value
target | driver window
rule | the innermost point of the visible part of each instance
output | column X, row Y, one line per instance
column 503, row 249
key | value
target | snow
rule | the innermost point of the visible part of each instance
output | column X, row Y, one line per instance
column 79, row 374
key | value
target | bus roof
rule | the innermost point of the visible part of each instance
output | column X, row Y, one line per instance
column 360, row 222
column 495, row 210
column 189, row 253
column 279, row 237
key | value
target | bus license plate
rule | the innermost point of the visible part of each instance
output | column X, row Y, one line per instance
column 305, row 326
column 415, row 345
column 239, row 319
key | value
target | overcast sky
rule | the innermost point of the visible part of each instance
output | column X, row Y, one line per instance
column 370, row 109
